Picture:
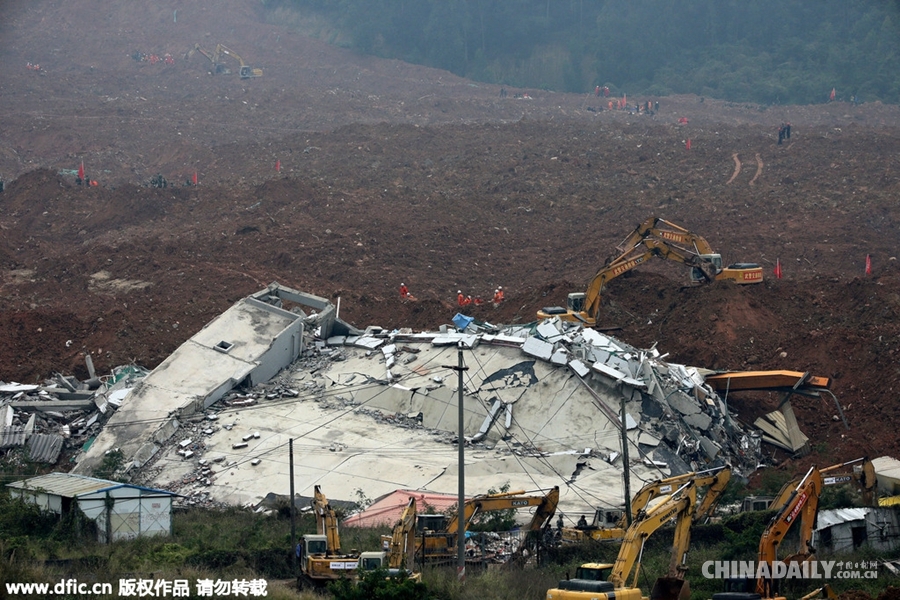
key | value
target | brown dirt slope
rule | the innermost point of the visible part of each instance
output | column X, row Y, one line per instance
column 392, row 172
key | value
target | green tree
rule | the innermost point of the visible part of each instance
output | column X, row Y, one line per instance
column 378, row 585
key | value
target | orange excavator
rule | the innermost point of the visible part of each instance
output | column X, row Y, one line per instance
column 648, row 240
column 799, row 503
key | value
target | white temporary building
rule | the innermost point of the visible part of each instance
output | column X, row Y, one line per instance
column 121, row 510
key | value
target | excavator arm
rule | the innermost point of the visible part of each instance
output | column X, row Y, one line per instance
column 715, row 479
column 803, row 502
column 679, row 505
column 860, row 472
column 669, row 242
column 546, row 506
column 666, row 230
column 326, row 522
column 403, row 540
column 586, row 307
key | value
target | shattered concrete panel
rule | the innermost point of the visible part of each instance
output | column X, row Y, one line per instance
column 683, row 403
column 537, row 348
column 698, row 420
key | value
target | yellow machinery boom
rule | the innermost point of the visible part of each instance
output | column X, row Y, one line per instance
column 245, row 71
column 321, row 558
column 598, row 581
column 441, row 545
column 715, row 479
column 646, row 241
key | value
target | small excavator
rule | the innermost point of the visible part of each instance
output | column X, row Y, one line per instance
column 439, row 543
column 245, row 71
column 714, row 479
column 321, row 558
column 400, row 546
column 600, row 581
column 649, row 240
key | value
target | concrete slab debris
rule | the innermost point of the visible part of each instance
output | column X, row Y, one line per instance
column 374, row 411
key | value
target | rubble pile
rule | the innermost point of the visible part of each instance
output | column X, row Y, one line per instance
column 63, row 413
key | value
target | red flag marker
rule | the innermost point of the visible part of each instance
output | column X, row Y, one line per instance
column 278, row 166
column 868, row 265
column 195, row 178
column 81, row 171
column 688, row 144
column 777, row 268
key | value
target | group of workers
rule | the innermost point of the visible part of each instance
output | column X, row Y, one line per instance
column 463, row 300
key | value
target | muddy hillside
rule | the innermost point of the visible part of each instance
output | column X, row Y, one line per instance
column 344, row 176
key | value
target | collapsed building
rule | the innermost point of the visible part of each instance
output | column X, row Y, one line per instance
column 371, row 411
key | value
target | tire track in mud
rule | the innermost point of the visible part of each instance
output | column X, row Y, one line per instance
column 759, row 169
column 737, row 168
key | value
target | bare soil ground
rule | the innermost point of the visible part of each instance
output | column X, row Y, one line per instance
column 395, row 173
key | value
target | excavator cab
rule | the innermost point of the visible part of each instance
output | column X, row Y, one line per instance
column 575, row 302
column 698, row 275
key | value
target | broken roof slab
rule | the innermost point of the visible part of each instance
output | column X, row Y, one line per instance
column 251, row 340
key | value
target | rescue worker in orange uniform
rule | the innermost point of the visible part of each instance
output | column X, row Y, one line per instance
column 460, row 299
column 404, row 291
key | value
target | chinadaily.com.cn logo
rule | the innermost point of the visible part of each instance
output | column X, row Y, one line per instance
column 814, row 569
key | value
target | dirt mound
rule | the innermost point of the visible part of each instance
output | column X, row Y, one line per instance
column 389, row 172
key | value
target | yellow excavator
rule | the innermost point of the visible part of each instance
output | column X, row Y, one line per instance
column 400, row 546
column 438, row 543
column 601, row 581
column 321, row 558
column 646, row 242
column 245, row 71
column 801, row 503
column 741, row 273
column 714, row 479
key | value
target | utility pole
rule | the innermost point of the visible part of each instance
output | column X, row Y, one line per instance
column 625, row 463
column 461, row 440
column 293, row 507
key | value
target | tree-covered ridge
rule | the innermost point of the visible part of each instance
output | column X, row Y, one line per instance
column 765, row 51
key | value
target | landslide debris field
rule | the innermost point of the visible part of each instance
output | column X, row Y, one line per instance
column 395, row 173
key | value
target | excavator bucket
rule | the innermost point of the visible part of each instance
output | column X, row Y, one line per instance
column 670, row 588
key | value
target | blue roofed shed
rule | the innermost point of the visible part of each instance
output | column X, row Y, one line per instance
column 121, row 510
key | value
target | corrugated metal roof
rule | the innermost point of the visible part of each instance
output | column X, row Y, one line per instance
column 66, row 485
column 70, row 485
column 828, row 518
column 45, row 447
column 12, row 436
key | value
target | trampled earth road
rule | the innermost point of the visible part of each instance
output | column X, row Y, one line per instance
column 392, row 172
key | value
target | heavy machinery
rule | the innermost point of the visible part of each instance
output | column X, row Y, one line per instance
column 245, row 71
column 741, row 273
column 645, row 242
column 439, row 543
column 320, row 555
column 860, row 472
column 599, row 581
column 801, row 501
column 714, row 479
column 399, row 546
